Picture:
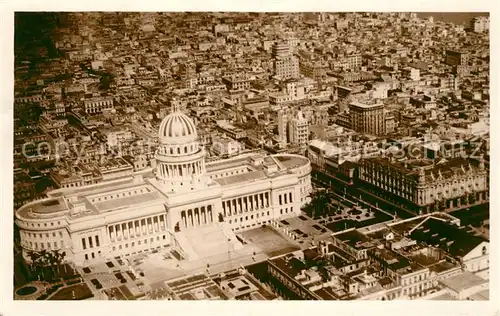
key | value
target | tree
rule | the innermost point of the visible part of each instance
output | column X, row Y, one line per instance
column 319, row 203
column 322, row 265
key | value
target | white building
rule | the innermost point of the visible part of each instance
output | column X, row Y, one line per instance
column 189, row 205
column 480, row 24
column 98, row 104
column 286, row 65
column 284, row 116
column 299, row 130
column 415, row 74
column 225, row 146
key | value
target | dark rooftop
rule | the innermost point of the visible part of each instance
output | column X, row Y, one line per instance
column 449, row 237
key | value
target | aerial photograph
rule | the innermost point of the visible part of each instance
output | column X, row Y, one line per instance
column 251, row 156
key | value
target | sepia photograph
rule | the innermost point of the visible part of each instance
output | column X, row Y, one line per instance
column 251, row 156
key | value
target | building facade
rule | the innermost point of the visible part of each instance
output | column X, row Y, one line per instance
column 286, row 65
column 367, row 118
column 423, row 186
column 98, row 104
column 299, row 130
column 186, row 201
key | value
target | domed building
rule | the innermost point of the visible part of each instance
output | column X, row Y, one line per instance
column 180, row 160
column 189, row 206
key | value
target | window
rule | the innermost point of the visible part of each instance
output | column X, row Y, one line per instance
column 484, row 251
column 90, row 243
column 84, row 245
column 86, row 257
column 97, row 241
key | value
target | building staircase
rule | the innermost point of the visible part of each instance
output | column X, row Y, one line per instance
column 207, row 241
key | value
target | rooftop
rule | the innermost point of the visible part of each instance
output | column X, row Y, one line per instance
column 449, row 237
column 463, row 282
column 354, row 239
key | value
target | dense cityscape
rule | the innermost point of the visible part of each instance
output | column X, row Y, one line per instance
column 251, row 156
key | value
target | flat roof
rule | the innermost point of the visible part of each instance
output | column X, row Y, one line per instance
column 128, row 201
column 353, row 238
column 364, row 105
column 242, row 178
column 463, row 281
column 444, row 297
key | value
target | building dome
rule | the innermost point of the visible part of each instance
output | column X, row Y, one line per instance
column 177, row 128
column 180, row 160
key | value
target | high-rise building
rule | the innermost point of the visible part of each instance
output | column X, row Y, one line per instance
column 286, row 65
column 479, row 24
column 454, row 58
column 299, row 130
column 367, row 118
column 283, row 118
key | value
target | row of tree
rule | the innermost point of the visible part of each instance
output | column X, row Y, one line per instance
column 45, row 263
column 319, row 204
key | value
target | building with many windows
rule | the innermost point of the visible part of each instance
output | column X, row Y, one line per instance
column 96, row 105
column 367, row 118
column 299, row 130
column 189, row 205
column 480, row 24
column 286, row 65
column 425, row 186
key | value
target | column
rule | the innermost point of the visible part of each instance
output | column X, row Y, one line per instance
column 190, row 218
column 112, row 234
column 131, row 231
column 211, row 218
column 149, row 222
column 250, row 198
column 183, row 219
column 162, row 222
column 144, row 227
column 137, row 225
column 204, row 214
column 118, row 232
column 124, row 230
column 156, row 225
